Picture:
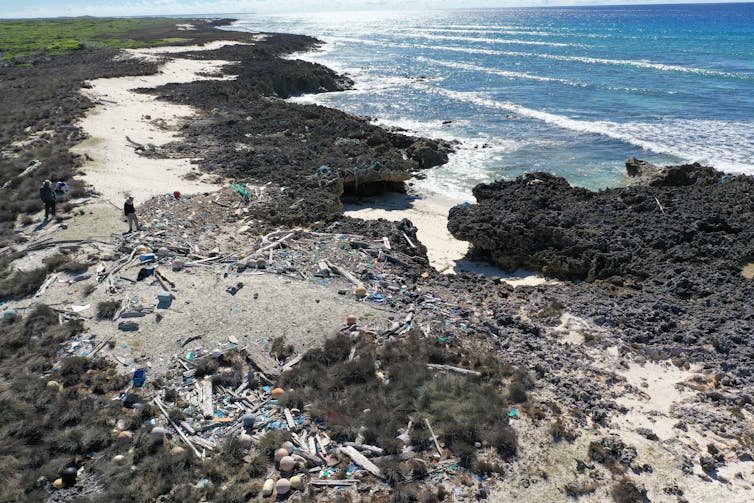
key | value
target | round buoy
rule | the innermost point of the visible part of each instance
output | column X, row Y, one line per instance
column 119, row 458
column 58, row 484
column 245, row 440
column 177, row 450
column 68, row 475
column 351, row 320
column 268, row 487
column 288, row 446
column 287, row 464
column 297, row 482
column 249, row 420
column 283, row 486
column 158, row 432
column 280, row 454
column 360, row 291
column 54, row 385
column 125, row 436
column 277, row 392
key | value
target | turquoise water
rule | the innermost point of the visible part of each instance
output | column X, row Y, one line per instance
column 574, row 91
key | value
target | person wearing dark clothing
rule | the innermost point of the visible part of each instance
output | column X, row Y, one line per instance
column 47, row 195
column 130, row 212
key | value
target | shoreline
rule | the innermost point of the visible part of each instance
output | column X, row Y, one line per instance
column 586, row 375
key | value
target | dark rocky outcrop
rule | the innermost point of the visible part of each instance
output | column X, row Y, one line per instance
column 663, row 261
column 687, row 219
column 315, row 152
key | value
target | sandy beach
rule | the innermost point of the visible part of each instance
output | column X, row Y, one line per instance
column 114, row 168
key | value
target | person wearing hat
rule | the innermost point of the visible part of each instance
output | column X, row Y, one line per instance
column 130, row 212
column 47, row 195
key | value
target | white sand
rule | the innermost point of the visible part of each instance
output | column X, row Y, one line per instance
column 658, row 382
column 116, row 169
column 430, row 216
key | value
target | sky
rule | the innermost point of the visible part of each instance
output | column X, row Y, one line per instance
column 54, row 8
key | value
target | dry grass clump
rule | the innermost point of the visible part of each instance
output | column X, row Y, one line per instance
column 613, row 453
column 107, row 309
column 559, row 431
column 19, row 284
column 16, row 284
column 44, row 428
column 380, row 388
column 61, row 262
column 625, row 491
column 281, row 348
column 577, row 488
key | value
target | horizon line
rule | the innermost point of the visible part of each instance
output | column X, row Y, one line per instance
column 388, row 9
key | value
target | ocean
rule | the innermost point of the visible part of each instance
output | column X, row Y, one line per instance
column 574, row 91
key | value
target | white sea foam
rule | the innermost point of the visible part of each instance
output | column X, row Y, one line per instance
column 484, row 40
column 556, row 57
column 498, row 31
column 502, row 73
column 726, row 145
column 471, row 164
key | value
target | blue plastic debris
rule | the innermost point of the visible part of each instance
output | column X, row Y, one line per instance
column 147, row 257
column 140, row 377
column 513, row 412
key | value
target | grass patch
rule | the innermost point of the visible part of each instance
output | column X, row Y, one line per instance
column 382, row 387
column 20, row 39
column 625, row 491
column 21, row 284
column 107, row 309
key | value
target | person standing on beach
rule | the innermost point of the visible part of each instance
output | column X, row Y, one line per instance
column 47, row 195
column 130, row 212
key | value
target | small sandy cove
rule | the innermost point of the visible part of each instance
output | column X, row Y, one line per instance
column 113, row 167
column 429, row 213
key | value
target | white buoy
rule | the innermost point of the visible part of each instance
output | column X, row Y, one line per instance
column 283, row 486
column 245, row 440
column 268, row 487
column 287, row 464
column 288, row 446
column 297, row 482
column 280, row 454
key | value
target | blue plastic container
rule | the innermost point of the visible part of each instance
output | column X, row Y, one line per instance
column 140, row 377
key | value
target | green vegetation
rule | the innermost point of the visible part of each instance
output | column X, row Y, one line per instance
column 21, row 39
column 378, row 390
